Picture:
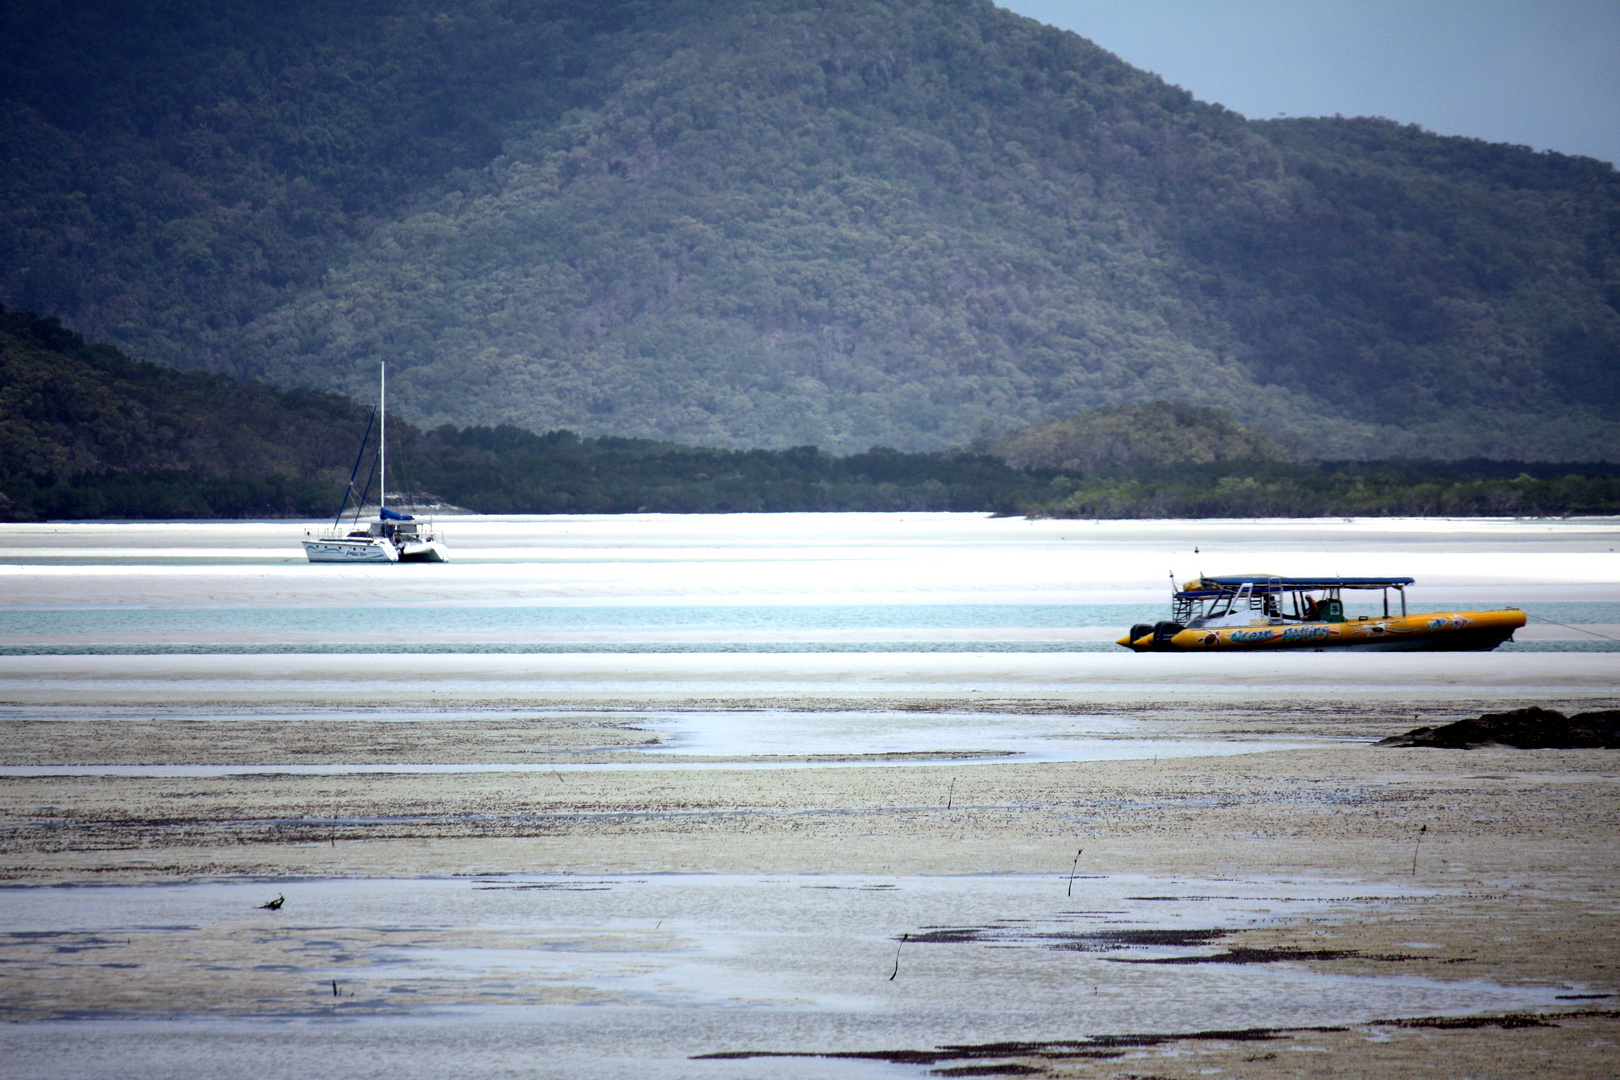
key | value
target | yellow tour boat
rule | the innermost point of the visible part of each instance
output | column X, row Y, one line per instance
column 1266, row 612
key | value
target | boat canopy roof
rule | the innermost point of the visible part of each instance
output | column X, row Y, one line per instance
column 1261, row 584
column 393, row 515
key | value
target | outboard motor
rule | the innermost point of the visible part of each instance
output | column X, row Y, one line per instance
column 1140, row 630
column 1164, row 631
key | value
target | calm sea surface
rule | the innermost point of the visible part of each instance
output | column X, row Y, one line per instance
column 825, row 583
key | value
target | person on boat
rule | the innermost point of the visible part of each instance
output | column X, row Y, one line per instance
column 1311, row 610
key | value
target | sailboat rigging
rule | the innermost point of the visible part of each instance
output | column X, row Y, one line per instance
column 393, row 537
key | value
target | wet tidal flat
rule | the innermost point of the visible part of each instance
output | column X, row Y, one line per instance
column 689, row 856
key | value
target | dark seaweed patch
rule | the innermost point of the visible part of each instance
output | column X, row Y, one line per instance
column 1114, row 1046
column 954, row 935
column 898, row 1057
column 1452, row 1023
column 1003, row 934
column 1270, row 956
column 1173, row 938
column 1097, row 1047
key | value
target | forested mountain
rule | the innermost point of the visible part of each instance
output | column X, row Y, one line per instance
column 775, row 222
column 87, row 432
column 1125, row 437
column 67, row 406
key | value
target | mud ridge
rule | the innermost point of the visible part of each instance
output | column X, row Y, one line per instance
column 1115, row 1046
column 1533, row 728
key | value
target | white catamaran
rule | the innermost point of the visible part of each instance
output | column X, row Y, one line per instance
column 393, row 537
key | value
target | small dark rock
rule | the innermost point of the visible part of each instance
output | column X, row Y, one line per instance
column 1524, row 729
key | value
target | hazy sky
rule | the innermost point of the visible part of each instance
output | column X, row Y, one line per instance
column 1544, row 74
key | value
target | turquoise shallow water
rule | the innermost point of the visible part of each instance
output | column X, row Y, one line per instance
column 508, row 628
column 528, row 628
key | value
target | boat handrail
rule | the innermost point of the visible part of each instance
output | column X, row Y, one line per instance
column 1205, row 587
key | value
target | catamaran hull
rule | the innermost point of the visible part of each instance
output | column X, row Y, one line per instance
column 1451, row 631
column 344, row 550
column 423, row 551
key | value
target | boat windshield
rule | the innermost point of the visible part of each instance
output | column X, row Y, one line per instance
column 1275, row 599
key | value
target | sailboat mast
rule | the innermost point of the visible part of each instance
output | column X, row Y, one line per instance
column 382, row 438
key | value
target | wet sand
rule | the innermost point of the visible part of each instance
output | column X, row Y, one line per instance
column 590, row 878
column 1514, row 882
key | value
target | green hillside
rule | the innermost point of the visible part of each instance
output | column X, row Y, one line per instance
column 1126, row 437
column 87, row 432
column 778, row 222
